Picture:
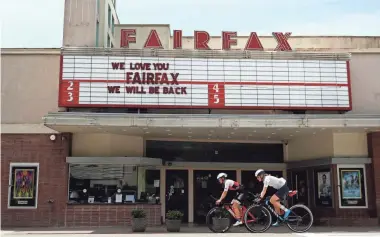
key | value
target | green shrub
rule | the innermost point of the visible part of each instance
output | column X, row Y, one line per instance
column 174, row 215
column 138, row 213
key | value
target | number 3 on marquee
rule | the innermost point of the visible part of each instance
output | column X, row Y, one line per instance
column 70, row 96
column 216, row 95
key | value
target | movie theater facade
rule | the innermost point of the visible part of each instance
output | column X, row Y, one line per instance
column 150, row 122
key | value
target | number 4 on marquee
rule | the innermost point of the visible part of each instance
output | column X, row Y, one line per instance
column 216, row 88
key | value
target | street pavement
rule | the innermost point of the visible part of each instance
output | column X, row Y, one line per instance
column 189, row 232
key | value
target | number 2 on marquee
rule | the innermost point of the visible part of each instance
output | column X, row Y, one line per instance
column 70, row 87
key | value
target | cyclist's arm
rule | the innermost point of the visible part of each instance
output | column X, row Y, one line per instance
column 266, row 184
column 263, row 192
column 223, row 196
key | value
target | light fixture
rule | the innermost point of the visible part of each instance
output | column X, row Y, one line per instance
column 168, row 130
column 189, row 132
column 291, row 135
column 273, row 133
column 297, row 131
column 124, row 130
column 145, row 128
column 169, row 134
column 146, row 132
column 52, row 137
column 268, row 137
column 254, row 130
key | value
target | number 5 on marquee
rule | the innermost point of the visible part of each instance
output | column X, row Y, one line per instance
column 216, row 95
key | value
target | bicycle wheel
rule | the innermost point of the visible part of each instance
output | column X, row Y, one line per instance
column 257, row 215
column 216, row 220
column 297, row 215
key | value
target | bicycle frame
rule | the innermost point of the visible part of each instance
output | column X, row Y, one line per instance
column 290, row 194
column 243, row 210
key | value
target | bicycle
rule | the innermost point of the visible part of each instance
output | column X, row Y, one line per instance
column 224, row 211
column 265, row 208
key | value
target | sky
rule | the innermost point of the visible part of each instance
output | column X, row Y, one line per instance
column 39, row 23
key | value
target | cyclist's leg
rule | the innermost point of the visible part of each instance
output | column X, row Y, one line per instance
column 281, row 194
column 275, row 201
column 240, row 197
column 236, row 206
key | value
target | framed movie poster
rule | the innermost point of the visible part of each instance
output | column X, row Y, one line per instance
column 352, row 186
column 323, row 188
column 23, row 185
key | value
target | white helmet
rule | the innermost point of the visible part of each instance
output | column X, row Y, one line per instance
column 258, row 172
column 221, row 175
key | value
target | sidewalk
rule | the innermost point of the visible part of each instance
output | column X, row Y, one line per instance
column 184, row 229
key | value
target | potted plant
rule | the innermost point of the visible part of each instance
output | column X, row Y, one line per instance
column 221, row 220
column 173, row 221
column 138, row 220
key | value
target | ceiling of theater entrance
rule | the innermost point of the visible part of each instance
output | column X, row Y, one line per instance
column 270, row 134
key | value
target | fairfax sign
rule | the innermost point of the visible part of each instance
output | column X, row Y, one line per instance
column 202, row 38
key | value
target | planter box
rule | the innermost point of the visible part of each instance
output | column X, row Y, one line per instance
column 173, row 225
column 139, row 224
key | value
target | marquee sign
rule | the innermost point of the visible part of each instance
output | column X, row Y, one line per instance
column 153, row 82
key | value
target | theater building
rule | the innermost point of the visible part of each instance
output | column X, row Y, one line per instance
column 143, row 116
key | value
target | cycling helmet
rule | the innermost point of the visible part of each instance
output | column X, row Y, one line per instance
column 221, row 175
column 259, row 172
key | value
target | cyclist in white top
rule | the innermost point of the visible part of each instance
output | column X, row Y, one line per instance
column 282, row 190
column 234, row 186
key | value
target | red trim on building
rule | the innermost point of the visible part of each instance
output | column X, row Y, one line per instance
column 349, row 84
column 219, row 82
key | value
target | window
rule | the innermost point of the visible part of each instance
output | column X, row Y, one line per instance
column 215, row 151
column 113, row 26
column 151, row 188
column 103, row 184
column 109, row 16
column 23, row 185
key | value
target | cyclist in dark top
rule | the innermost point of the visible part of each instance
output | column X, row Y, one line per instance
column 234, row 186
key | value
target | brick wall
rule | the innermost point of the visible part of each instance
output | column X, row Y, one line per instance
column 53, row 176
column 109, row 215
column 374, row 153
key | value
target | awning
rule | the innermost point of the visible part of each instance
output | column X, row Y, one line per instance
column 61, row 120
column 132, row 161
